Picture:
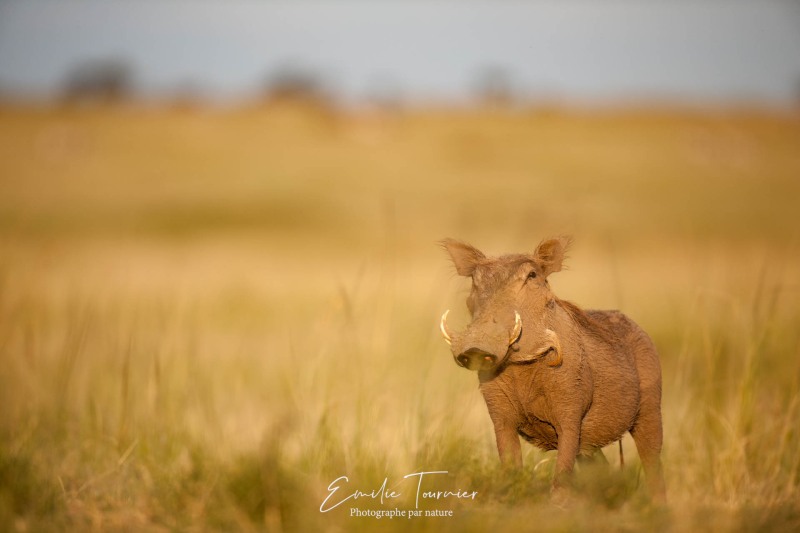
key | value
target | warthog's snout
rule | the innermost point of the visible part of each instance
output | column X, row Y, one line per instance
column 475, row 349
column 476, row 359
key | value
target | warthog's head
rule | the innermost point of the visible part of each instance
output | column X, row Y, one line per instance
column 509, row 303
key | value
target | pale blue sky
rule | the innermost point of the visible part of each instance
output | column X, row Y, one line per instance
column 685, row 51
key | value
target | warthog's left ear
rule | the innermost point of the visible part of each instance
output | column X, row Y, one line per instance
column 550, row 254
column 465, row 257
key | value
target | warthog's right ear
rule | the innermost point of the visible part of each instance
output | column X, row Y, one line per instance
column 550, row 254
column 465, row 257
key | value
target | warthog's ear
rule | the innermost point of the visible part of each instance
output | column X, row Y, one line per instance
column 465, row 257
column 550, row 254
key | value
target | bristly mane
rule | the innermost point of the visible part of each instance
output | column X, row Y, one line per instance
column 601, row 330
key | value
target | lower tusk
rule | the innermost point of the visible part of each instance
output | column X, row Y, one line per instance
column 552, row 345
column 443, row 328
column 517, row 329
column 556, row 347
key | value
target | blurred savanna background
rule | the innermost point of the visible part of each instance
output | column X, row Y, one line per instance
column 220, row 283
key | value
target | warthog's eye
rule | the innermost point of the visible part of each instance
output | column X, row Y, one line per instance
column 532, row 274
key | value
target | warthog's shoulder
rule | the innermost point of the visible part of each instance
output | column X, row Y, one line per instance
column 605, row 325
column 617, row 323
column 612, row 318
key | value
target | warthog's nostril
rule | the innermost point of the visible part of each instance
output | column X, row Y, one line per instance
column 475, row 358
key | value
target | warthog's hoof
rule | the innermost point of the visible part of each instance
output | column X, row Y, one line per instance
column 562, row 497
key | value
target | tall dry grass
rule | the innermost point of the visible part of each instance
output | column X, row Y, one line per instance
column 207, row 316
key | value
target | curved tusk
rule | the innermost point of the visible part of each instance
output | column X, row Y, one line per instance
column 556, row 346
column 443, row 328
column 517, row 329
column 552, row 344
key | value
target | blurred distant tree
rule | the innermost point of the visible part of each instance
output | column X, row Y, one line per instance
column 101, row 81
column 493, row 86
column 384, row 93
column 296, row 85
column 187, row 96
column 797, row 93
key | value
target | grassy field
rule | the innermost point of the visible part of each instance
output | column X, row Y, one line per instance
column 209, row 315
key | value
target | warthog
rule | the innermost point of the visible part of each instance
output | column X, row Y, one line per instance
column 562, row 378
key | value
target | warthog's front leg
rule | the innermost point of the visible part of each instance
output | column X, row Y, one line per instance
column 505, row 420
column 568, row 447
column 508, row 445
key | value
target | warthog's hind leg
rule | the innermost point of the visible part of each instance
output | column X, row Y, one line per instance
column 647, row 433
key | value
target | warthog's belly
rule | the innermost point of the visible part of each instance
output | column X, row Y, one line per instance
column 613, row 411
column 539, row 433
column 597, row 434
column 543, row 435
